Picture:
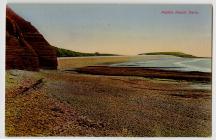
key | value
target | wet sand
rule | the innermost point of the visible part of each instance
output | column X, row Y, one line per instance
column 67, row 103
column 147, row 72
column 66, row 63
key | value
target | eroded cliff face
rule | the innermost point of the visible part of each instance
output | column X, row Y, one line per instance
column 26, row 48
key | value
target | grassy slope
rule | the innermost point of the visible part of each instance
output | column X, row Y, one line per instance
column 68, row 53
column 179, row 54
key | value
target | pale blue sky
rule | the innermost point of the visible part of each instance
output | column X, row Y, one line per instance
column 122, row 28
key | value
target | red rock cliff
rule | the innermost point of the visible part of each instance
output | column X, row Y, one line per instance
column 26, row 48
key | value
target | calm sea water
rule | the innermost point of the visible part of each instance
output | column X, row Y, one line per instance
column 170, row 63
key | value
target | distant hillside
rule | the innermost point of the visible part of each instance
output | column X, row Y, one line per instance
column 179, row 54
column 68, row 53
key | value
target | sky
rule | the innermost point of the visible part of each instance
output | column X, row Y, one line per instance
column 127, row 29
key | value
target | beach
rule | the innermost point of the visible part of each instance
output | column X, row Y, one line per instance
column 85, row 98
column 68, row 63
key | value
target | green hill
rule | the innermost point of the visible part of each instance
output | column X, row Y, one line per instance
column 179, row 54
column 68, row 53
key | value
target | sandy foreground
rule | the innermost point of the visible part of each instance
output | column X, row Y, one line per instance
column 67, row 103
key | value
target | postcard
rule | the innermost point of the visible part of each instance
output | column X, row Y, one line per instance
column 108, row 70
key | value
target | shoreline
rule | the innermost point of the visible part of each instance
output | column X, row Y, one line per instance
column 107, row 101
column 117, row 61
column 60, row 103
column 78, row 57
column 78, row 62
column 146, row 72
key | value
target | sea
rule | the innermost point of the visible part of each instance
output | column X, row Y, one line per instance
column 167, row 62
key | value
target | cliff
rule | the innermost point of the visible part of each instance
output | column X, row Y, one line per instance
column 26, row 48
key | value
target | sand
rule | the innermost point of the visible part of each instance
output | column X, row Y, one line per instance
column 66, row 63
column 66, row 103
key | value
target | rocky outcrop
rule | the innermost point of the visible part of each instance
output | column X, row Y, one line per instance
column 26, row 48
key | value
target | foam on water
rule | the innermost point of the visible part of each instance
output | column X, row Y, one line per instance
column 171, row 63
